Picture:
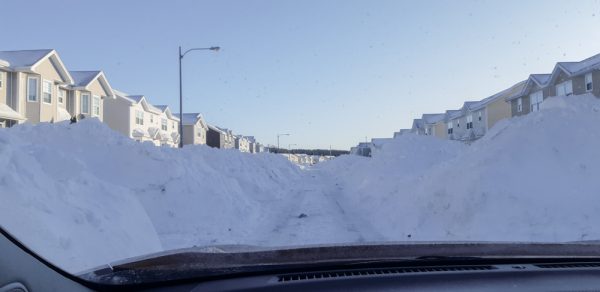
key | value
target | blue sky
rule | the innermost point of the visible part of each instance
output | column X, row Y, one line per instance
column 328, row 72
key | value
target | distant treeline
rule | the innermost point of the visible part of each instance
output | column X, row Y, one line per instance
column 319, row 152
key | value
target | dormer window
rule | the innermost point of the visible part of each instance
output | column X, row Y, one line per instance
column 470, row 121
column 519, row 105
column 450, row 127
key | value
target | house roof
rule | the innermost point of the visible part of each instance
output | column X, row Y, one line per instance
column 432, row 118
column 452, row 114
column 575, row 68
column 190, row 119
column 216, row 129
column 583, row 65
column 24, row 58
column 505, row 94
column 83, row 78
column 27, row 60
column 417, row 124
column 4, row 63
column 165, row 109
column 540, row 79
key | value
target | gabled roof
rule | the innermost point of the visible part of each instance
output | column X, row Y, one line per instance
column 452, row 114
column 575, row 68
column 541, row 80
column 432, row 118
column 417, row 124
column 82, row 79
column 216, row 129
column 27, row 60
column 165, row 109
column 505, row 94
column 190, row 119
column 581, row 66
column 133, row 99
column 24, row 58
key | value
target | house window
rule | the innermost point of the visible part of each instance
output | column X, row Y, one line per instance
column 450, row 127
column 479, row 116
column 173, row 126
column 163, row 124
column 588, row 82
column 85, row 103
column 536, row 99
column 96, row 105
column 32, row 89
column 61, row 96
column 151, row 119
column 139, row 117
column 519, row 105
column 458, row 123
column 470, row 122
column 47, row 91
column 565, row 88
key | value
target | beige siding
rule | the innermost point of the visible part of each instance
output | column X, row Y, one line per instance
column 498, row 110
column 32, row 108
column 48, row 71
column 440, row 130
column 189, row 135
column 118, row 115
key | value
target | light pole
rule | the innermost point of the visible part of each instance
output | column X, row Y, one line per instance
column 216, row 49
column 279, row 135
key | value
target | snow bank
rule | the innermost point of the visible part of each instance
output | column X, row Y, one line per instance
column 533, row 178
column 82, row 195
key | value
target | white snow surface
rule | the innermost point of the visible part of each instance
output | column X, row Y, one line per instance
column 82, row 195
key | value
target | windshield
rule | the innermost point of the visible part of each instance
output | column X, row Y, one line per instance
column 135, row 128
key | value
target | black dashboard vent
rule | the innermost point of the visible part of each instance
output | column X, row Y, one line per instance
column 568, row 265
column 370, row 272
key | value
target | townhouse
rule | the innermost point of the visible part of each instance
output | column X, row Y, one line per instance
column 32, row 87
column 433, row 125
column 241, row 143
column 86, row 96
column 529, row 98
column 195, row 129
column 136, row 118
column 567, row 78
column 219, row 138
column 417, row 127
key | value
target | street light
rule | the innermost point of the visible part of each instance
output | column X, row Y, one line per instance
column 216, row 49
column 279, row 135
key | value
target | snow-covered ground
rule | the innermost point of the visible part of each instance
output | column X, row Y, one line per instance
column 82, row 195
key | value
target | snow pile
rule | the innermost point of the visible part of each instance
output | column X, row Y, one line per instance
column 533, row 178
column 82, row 195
